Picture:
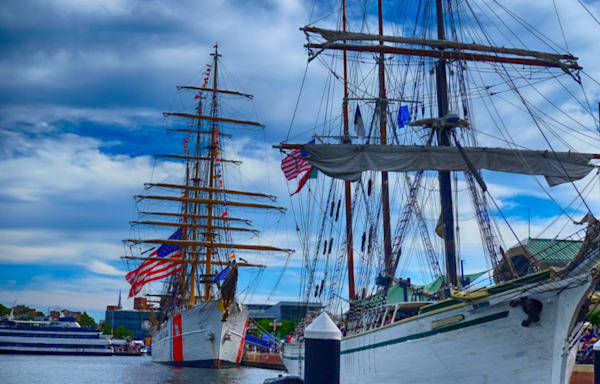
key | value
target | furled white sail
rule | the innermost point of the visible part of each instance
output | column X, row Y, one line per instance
column 348, row 161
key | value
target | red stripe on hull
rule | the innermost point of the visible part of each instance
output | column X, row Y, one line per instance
column 177, row 339
column 239, row 356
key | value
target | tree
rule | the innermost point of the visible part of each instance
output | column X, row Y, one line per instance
column 26, row 314
column 594, row 318
column 86, row 320
column 106, row 329
column 40, row 314
column 4, row 310
column 122, row 332
column 285, row 328
column 282, row 330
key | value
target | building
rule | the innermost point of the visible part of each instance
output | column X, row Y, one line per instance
column 23, row 310
column 140, row 303
column 131, row 319
column 535, row 254
column 56, row 315
column 284, row 310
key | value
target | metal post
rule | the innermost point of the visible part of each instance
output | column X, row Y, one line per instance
column 322, row 356
column 597, row 362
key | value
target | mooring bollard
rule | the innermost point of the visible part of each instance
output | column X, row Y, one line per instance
column 597, row 362
column 322, row 351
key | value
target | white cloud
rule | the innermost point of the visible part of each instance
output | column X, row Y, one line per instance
column 67, row 166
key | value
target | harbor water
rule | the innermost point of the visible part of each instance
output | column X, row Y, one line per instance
column 18, row 369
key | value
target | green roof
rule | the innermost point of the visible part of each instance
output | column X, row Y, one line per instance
column 396, row 292
column 553, row 251
column 394, row 295
column 435, row 286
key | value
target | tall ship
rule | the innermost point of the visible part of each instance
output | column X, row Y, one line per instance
column 51, row 337
column 192, row 229
column 436, row 116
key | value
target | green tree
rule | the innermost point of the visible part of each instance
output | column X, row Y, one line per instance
column 41, row 314
column 86, row 320
column 106, row 329
column 594, row 318
column 282, row 330
column 122, row 332
column 4, row 310
column 285, row 328
column 25, row 314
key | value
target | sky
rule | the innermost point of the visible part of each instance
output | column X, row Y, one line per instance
column 82, row 91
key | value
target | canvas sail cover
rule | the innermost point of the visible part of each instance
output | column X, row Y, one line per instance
column 347, row 161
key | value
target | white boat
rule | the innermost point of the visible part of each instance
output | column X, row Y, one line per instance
column 521, row 323
column 63, row 337
column 198, row 324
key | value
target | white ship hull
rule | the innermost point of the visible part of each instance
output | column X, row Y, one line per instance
column 198, row 337
column 489, row 345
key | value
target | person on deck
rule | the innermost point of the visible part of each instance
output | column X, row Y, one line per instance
column 388, row 318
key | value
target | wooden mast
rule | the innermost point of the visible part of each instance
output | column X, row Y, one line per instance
column 190, row 243
column 210, row 202
column 448, row 55
column 385, row 189
column 194, row 216
column 202, row 117
column 195, row 183
column 209, row 232
column 444, row 176
column 347, row 185
column 204, row 189
column 184, row 235
column 179, row 225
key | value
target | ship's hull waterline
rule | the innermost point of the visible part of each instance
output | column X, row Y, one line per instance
column 198, row 338
column 488, row 344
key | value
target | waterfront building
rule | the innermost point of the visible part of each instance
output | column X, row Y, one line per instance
column 284, row 310
column 131, row 319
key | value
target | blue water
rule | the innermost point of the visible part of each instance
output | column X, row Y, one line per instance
column 20, row 369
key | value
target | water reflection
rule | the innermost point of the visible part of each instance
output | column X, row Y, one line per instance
column 18, row 369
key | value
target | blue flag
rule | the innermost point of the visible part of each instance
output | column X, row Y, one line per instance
column 403, row 117
column 222, row 275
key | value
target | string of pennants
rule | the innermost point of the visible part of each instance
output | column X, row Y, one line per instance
column 218, row 173
column 216, row 153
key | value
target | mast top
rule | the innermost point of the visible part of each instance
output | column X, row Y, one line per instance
column 216, row 54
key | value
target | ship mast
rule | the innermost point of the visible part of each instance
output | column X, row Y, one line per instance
column 213, row 149
column 385, row 189
column 347, row 185
column 443, row 136
column 196, row 183
column 202, row 188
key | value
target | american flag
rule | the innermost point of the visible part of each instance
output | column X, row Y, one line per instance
column 294, row 164
column 151, row 270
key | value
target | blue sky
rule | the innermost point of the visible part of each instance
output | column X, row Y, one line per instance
column 82, row 91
